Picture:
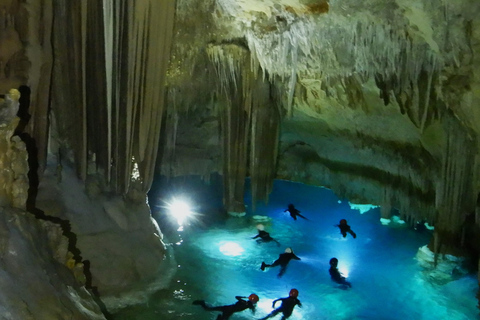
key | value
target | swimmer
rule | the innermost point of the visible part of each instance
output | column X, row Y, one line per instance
column 264, row 236
column 282, row 261
column 344, row 228
column 228, row 310
column 294, row 212
column 286, row 307
column 336, row 275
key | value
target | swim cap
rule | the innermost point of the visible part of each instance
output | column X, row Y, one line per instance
column 260, row 227
column 288, row 250
column 253, row 298
column 293, row 293
column 343, row 221
column 333, row 261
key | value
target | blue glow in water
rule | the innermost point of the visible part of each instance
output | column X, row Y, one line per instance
column 221, row 260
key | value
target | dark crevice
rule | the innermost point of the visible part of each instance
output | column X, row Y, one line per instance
column 33, row 178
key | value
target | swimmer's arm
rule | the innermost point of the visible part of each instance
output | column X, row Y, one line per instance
column 275, row 301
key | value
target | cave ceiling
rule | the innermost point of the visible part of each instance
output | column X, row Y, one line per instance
column 388, row 88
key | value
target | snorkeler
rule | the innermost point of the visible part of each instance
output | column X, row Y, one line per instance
column 264, row 236
column 282, row 261
column 336, row 275
column 228, row 310
column 294, row 212
column 344, row 228
column 287, row 305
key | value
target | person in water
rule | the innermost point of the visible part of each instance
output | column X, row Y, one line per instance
column 294, row 212
column 264, row 236
column 282, row 261
column 286, row 307
column 228, row 310
column 344, row 228
column 336, row 275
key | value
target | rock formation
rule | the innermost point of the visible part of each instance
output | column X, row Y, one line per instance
column 376, row 100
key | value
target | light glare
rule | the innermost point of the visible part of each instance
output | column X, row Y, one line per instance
column 343, row 271
column 231, row 249
column 179, row 210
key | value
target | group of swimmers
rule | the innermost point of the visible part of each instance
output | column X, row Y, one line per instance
column 288, row 303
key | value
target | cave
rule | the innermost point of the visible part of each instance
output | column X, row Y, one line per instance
column 107, row 106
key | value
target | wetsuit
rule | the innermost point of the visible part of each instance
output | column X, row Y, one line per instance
column 286, row 308
column 337, row 277
column 264, row 237
column 228, row 310
column 344, row 228
column 294, row 212
column 282, row 261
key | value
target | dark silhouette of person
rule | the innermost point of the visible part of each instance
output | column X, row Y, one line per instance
column 294, row 212
column 420, row 226
column 282, row 261
column 264, row 236
column 287, row 305
column 336, row 275
column 228, row 310
column 344, row 228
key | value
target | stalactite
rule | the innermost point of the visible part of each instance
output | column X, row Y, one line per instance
column 264, row 141
column 112, row 107
column 142, row 34
column 231, row 63
column 454, row 195
column 427, row 98
column 38, row 51
column 68, row 79
column 361, row 47
column 249, row 121
column 170, row 133
column 97, row 118
column 108, row 34
column 386, row 207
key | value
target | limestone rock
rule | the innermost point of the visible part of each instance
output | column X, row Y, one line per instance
column 34, row 285
column 448, row 267
column 9, row 107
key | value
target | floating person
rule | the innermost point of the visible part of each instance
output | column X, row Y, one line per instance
column 282, row 261
column 294, row 212
column 287, row 305
column 228, row 310
column 420, row 226
column 336, row 275
column 344, row 228
column 264, row 236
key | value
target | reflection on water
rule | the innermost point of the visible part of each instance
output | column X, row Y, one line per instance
column 220, row 260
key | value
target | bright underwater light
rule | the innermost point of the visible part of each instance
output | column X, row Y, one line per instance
column 180, row 210
column 343, row 271
column 231, row 249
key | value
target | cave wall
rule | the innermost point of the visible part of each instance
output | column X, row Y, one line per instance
column 91, row 76
column 13, row 155
column 377, row 99
column 93, row 70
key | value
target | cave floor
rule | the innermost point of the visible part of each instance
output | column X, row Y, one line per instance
column 387, row 282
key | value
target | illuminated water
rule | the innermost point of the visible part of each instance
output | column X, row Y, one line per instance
column 387, row 283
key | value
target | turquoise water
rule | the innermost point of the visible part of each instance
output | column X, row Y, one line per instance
column 387, row 283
